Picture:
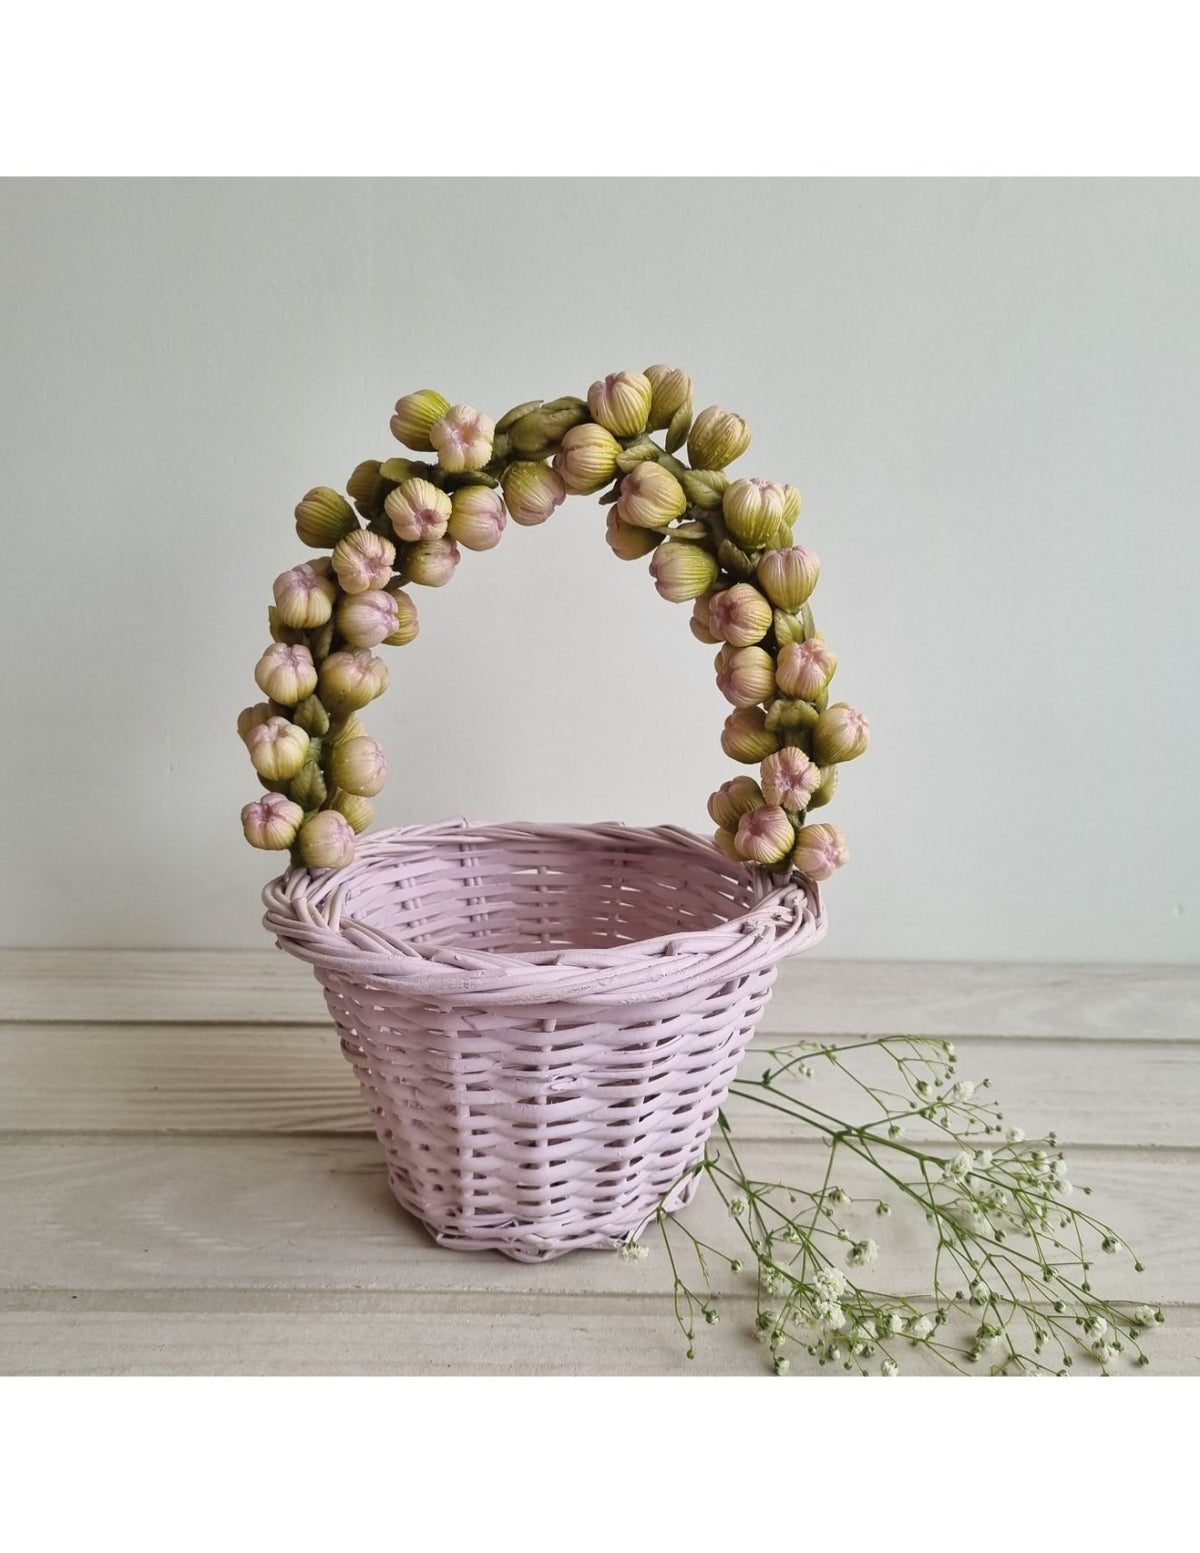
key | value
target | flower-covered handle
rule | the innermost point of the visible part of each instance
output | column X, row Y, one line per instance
column 726, row 545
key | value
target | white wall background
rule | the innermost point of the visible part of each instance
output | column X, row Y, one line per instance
column 988, row 393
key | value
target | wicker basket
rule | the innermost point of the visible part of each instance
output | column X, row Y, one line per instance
column 544, row 1019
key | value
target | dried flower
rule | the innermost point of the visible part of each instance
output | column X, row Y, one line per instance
column 532, row 492
column 787, row 577
column 407, row 625
column 789, row 779
column 349, row 680
column 326, row 840
column 252, row 717
column 463, row 439
column 682, row 571
column 366, row 619
column 587, row 459
column 363, row 560
column 416, row 416
column 431, row 564
column 805, row 668
column 358, row 812
column 272, row 822
column 745, row 675
column 741, row 795
column 820, row 851
column 651, row 497
column 358, row 766
column 765, row 835
column 621, row 402
column 717, row 437
column 841, row 734
column 277, row 749
column 304, row 598
column 323, row 517
column 626, row 540
column 286, row 673
column 746, row 736
column 739, row 615
column 477, row 517
column 417, row 510
column 670, row 403
column 753, row 511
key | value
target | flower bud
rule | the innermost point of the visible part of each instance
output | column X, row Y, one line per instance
column 358, row 812
column 741, row 795
column 787, row 577
column 366, row 619
column 417, row 510
column 651, row 497
column 272, row 822
column 323, row 517
column 739, row 615
column 791, row 505
column 366, row 488
column 358, row 766
column 765, row 836
column 820, row 851
column 363, row 560
column 349, row 680
column 745, row 675
column 621, row 402
column 682, row 571
column 538, row 433
column 532, row 492
column 326, row 840
column 587, row 459
column 746, row 737
column 805, row 668
column 477, row 517
column 726, row 842
column 699, row 622
column 407, row 624
column 463, row 439
column 307, row 787
column 416, row 416
column 841, row 734
column 717, row 437
column 792, row 628
column 627, row 542
column 310, row 715
column 705, row 488
column 788, row 716
column 753, row 511
column 790, row 779
column 280, row 632
column 670, row 402
column 303, row 598
column 826, row 788
column 277, row 749
column 252, row 717
column 286, row 673
column 431, row 564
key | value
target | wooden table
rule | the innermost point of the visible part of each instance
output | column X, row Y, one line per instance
column 189, row 1184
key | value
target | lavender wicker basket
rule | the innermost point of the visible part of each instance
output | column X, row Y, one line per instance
column 544, row 1019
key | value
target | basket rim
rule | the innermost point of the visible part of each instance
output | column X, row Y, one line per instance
column 305, row 915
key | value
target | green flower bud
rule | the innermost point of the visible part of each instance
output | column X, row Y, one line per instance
column 627, row 541
column 323, row 517
column 741, row 795
column 650, row 497
column 326, row 841
column 746, row 736
column 621, row 402
column 829, row 782
column 408, row 624
column 416, row 416
column 787, row 577
column 753, row 510
column 366, row 488
column 682, row 571
column 717, row 437
column 532, row 492
column 356, row 810
column 587, row 459
column 841, row 734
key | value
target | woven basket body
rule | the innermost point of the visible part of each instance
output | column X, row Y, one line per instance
column 544, row 1019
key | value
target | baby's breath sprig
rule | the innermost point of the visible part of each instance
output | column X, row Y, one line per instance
column 1010, row 1288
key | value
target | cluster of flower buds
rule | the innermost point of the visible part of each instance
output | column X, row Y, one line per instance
column 725, row 545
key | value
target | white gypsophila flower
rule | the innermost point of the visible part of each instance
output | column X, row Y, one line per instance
column 830, row 1281
column 1014, row 1135
column 1104, row 1351
column 960, row 1165
column 782, row 1365
column 839, row 1197
column 893, row 1321
column 737, row 1207
column 921, row 1328
column 963, row 1090
column 1095, row 1326
column 634, row 1251
column 862, row 1252
column 888, row 1368
column 1144, row 1315
column 983, row 1159
column 1059, row 1168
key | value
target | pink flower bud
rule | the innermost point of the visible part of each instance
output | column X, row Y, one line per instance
column 477, row 517
column 532, row 491
column 363, row 560
column 304, row 598
column 805, row 668
column 463, row 439
column 745, row 675
column 326, row 840
column 739, row 615
column 820, row 851
column 671, row 397
column 252, row 717
column 627, row 542
column 587, row 459
column 277, row 749
column 349, row 680
column 790, row 779
column 682, row 571
column 358, row 766
column 272, row 822
column 323, row 517
column 431, row 564
column 699, row 625
column 286, row 673
column 416, row 510
column 741, row 795
column 717, row 437
column 787, row 577
column 765, row 835
column 407, row 624
column 841, row 734
column 621, row 402
column 753, row 512
column 416, row 416
column 746, row 737
column 651, row 496
column 366, row 619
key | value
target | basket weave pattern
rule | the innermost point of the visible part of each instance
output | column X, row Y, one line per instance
column 544, row 1019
